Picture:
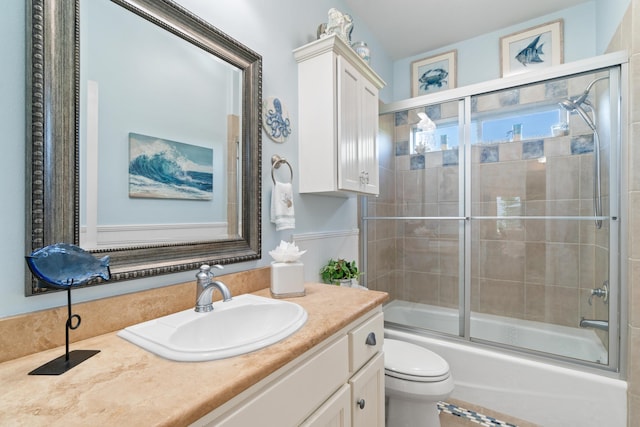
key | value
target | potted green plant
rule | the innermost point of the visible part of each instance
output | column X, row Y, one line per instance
column 340, row 272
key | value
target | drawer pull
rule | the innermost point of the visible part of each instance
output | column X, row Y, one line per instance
column 371, row 339
column 360, row 403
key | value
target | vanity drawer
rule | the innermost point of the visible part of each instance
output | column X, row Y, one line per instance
column 365, row 341
column 296, row 395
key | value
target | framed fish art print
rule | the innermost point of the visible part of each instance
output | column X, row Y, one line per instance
column 532, row 49
column 434, row 73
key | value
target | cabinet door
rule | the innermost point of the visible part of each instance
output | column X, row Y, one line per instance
column 367, row 394
column 336, row 412
column 357, row 131
column 368, row 140
column 348, row 107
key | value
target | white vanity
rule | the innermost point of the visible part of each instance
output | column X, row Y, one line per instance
column 338, row 382
column 322, row 373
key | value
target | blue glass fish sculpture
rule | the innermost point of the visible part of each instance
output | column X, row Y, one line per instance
column 63, row 265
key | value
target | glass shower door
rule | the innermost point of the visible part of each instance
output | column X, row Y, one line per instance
column 415, row 228
column 498, row 216
column 540, row 216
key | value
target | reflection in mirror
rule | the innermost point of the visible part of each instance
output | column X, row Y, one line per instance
column 146, row 136
column 159, row 124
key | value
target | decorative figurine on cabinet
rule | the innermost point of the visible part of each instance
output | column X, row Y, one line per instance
column 340, row 24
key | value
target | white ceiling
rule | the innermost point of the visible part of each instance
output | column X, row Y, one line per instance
column 409, row 27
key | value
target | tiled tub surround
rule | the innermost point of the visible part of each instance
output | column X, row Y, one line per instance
column 548, row 261
column 540, row 270
column 126, row 385
column 627, row 37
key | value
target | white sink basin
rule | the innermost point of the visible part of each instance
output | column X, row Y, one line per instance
column 244, row 324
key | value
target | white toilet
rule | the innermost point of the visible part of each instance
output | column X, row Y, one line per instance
column 416, row 379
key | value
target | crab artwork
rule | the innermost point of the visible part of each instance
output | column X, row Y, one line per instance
column 433, row 77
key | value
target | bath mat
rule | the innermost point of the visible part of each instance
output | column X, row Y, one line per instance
column 449, row 408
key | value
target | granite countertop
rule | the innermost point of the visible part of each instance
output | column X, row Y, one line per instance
column 126, row 385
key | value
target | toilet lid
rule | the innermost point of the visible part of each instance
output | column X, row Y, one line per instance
column 408, row 361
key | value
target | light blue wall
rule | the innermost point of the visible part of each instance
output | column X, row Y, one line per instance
column 150, row 76
column 12, row 160
column 271, row 30
column 479, row 58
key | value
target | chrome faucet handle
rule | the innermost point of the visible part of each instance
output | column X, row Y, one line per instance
column 205, row 271
column 207, row 267
column 602, row 292
column 203, row 275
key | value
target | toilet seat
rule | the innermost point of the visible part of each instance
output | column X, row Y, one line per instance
column 411, row 362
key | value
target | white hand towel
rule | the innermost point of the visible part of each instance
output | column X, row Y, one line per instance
column 282, row 214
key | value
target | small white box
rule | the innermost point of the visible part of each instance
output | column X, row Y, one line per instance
column 287, row 279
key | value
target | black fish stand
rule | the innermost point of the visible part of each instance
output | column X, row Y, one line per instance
column 70, row 359
column 63, row 266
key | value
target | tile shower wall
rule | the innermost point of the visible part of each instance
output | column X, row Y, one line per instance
column 539, row 270
column 627, row 38
column 383, row 272
column 531, row 269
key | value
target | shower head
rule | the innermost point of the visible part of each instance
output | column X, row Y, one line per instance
column 576, row 103
column 568, row 104
column 572, row 105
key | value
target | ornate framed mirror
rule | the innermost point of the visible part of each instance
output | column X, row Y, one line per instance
column 144, row 137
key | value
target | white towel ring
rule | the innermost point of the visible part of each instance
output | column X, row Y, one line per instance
column 276, row 162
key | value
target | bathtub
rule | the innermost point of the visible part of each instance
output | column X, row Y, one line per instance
column 542, row 393
column 577, row 343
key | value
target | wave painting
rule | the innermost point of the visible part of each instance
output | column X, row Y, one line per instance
column 163, row 169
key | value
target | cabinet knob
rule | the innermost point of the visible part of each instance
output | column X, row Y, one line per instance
column 371, row 339
column 360, row 403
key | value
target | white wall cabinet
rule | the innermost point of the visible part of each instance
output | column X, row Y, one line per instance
column 339, row 382
column 338, row 120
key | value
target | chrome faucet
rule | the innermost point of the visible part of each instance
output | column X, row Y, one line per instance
column 597, row 324
column 205, row 288
column 602, row 292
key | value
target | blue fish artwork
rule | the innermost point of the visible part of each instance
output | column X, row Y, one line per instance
column 531, row 53
column 63, row 265
column 433, row 77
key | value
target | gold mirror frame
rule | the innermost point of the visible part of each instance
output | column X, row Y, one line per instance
column 53, row 68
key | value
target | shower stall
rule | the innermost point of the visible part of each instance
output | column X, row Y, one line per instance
column 500, row 225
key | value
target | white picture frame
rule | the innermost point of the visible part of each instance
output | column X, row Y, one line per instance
column 532, row 49
column 434, row 73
